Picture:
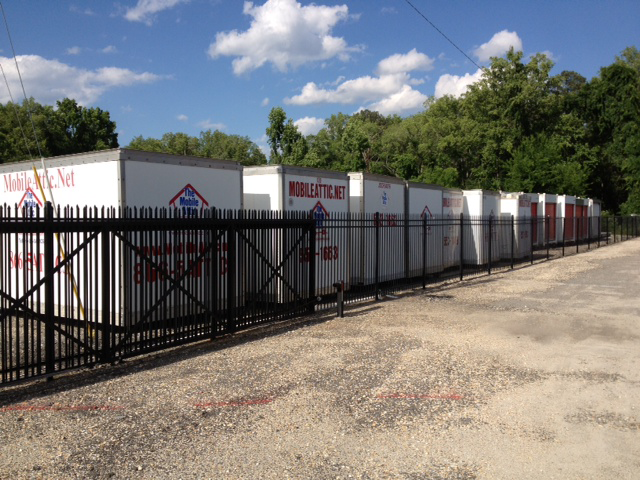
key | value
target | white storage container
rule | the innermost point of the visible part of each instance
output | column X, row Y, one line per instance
column 567, row 212
column 547, row 206
column 125, row 178
column 424, row 228
column 323, row 194
column 372, row 194
column 538, row 220
column 582, row 218
column 480, row 206
column 518, row 206
column 452, row 207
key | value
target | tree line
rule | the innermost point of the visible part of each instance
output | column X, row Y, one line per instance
column 517, row 129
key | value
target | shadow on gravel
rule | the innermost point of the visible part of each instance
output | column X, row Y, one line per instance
column 35, row 388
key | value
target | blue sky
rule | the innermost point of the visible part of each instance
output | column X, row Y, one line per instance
column 189, row 65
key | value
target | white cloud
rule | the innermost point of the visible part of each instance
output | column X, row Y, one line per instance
column 351, row 91
column 391, row 92
column 408, row 62
column 145, row 10
column 86, row 11
column 265, row 102
column 182, row 117
column 109, row 49
column 549, row 54
column 285, row 34
column 406, row 100
column 74, row 51
column 499, row 44
column 455, row 85
column 51, row 80
column 309, row 125
column 209, row 125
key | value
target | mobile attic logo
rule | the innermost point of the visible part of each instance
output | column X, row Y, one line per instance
column 427, row 215
column 30, row 201
column 385, row 199
column 320, row 214
column 189, row 201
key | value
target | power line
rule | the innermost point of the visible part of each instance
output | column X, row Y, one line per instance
column 24, row 92
column 441, row 33
column 17, row 114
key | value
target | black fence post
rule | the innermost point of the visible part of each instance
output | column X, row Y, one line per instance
column 312, row 267
column 531, row 243
column 576, row 224
column 614, row 229
column 513, row 239
column 231, row 279
column 490, row 235
column 339, row 286
column 598, row 221
column 49, row 281
column 564, row 232
column 105, row 278
column 377, row 254
column 547, row 223
column 215, row 274
column 424, row 251
column 606, row 229
column 628, row 219
column 461, row 236
column 589, row 225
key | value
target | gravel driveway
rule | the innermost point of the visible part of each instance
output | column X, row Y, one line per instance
column 528, row 374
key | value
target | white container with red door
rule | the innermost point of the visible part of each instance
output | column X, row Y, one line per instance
column 547, row 207
column 567, row 212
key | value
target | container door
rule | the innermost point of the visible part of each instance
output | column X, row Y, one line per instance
column 550, row 211
column 569, row 219
column 585, row 222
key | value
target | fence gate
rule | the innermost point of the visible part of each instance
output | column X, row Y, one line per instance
column 48, row 292
column 76, row 290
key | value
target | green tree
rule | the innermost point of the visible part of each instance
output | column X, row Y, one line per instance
column 287, row 144
column 77, row 129
column 69, row 128
column 233, row 147
column 613, row 130
column 361, row 142
column 512, row 101
column 209, row 144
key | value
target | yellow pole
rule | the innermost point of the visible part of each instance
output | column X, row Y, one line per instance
column 63, row 254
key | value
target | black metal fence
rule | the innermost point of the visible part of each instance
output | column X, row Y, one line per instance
column 84, row 287
column 81, row 288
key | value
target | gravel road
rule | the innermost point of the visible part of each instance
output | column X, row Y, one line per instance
column 528, row 374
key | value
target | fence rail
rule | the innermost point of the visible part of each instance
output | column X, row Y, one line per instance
column 79, row 288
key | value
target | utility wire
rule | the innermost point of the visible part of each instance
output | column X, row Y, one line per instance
column 17, row 114
column 440, row 32
column 24, row 92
